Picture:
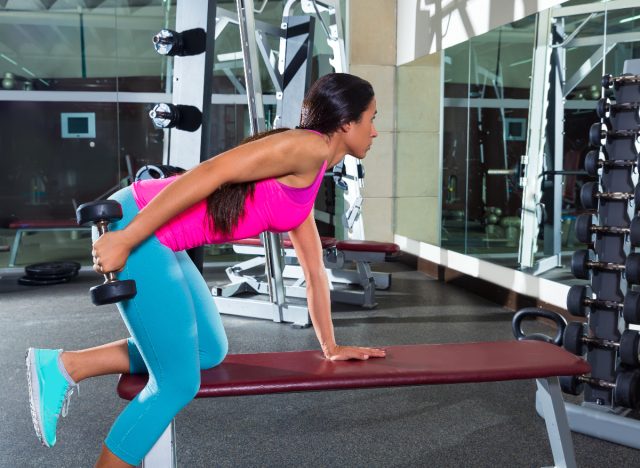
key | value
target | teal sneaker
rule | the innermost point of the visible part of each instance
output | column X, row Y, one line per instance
column 49, row 392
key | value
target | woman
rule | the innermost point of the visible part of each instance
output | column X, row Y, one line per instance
column 269, row 183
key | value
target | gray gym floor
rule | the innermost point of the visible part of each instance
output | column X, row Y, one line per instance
column 479, row 425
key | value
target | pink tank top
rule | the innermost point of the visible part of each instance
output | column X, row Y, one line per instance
column 274, row 207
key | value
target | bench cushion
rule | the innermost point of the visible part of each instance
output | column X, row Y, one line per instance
column 327, row 242
column 388, row 248
column 262, row 373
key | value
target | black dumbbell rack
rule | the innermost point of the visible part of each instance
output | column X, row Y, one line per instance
column 611, row 263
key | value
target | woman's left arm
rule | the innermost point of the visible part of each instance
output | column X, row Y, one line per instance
column 306, row 242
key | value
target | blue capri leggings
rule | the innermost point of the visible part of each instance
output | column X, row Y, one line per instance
column 175, row 330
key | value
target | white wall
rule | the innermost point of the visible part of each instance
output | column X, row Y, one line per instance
column 427, row 26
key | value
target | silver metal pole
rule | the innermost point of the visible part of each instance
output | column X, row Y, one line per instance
column 271, row 241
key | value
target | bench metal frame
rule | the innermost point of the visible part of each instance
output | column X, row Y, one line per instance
column 20, row 232
column 163, row 453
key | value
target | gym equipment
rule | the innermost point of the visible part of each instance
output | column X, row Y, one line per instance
column 626, row 388
column 49, row 269
column 605, row 109
column 619, row 81
column 424, row 364
column 600, row 135
column 585, row 230
column 534, row 312
column 583, row 260
column 189, row 42
column 593, row 162
column 589, row 195
column 576, row 340
column 48, row 273
column 580, row 303
column 101, row 213
column 178, row 116
column 161, row 171
column 346, row 263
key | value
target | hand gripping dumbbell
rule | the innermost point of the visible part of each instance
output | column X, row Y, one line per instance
column 180, row 116
column 189, row 42
column 101, row 213
column 580, row 301
column 599, row 134
column 626, row 389
column 593, row 162
column 606, row 109
column 585, row 230
column 583, row 260
column 576, row 340
column 617, row 81
column 589, row 195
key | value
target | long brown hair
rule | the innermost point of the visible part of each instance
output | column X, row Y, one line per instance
column 225, row 206
column 332, row 101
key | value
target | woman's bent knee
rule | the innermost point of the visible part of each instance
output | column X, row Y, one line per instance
column 179, row 389
column 211, row 358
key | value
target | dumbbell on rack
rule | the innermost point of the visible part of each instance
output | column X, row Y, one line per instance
column 180, row 116
column 617, row 81
column 189, row 42
column 606, row 109
column 580, row 301
column 593, row 162
column 589, row 195
column 582, row 261
column 101, row 213
column 585, row 230
column 599, row 134
column 576, row 340
column 626, row 389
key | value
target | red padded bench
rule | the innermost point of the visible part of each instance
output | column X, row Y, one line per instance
column 265, row 373
column 39, row 225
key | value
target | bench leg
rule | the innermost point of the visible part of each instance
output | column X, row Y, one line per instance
column 15, row 247
column 555, row 417
column 163, row 453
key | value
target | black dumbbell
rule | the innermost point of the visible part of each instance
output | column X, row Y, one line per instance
column 585, row 230
column 101, row 213
column 582, row 261
column 599, row 134
column 617, row 81
column 189, row 42
column 580, row 301
column 626, row 389
column 593, row 162
column 179, row 116
column 576, row 340
column 606, row 109
column 589, row 195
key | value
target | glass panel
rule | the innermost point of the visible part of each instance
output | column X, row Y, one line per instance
column 68, row 147
column 486, row 97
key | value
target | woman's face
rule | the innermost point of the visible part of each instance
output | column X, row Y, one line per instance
column 359, row 135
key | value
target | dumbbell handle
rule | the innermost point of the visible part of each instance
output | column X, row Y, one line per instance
column 610, row 229
column 600, row 342
column 606, row 265
column 603, row 304
column 102, row 226
column 596, row 382
column 615, row 195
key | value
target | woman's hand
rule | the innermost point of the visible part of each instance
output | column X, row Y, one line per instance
column 344, row 353
column 110, row 252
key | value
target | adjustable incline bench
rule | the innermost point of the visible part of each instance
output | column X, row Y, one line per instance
column 336, row 254
column 265, row 373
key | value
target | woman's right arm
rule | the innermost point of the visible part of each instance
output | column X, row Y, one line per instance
column 273, row 156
